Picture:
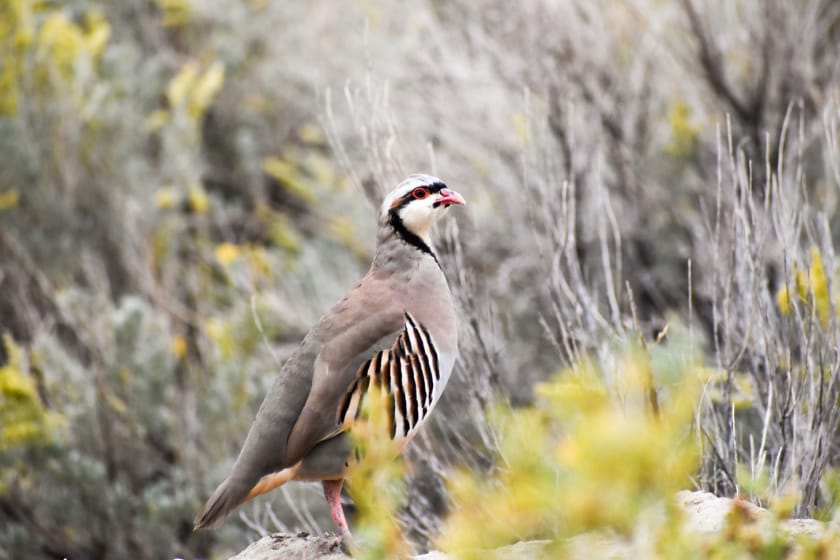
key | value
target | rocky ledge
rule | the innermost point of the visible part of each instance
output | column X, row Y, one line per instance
column 705, row 514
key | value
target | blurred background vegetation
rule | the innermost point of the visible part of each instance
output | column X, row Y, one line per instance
column 186, row 185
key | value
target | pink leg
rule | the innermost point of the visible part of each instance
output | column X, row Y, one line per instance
column 332, row 491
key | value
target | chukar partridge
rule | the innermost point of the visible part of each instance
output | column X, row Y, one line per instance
column 395, row 329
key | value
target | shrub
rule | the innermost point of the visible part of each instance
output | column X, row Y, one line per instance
column 181, row 198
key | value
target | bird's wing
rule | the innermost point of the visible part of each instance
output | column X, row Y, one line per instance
column 410, row 377
column 334, row 371
column 299, row 410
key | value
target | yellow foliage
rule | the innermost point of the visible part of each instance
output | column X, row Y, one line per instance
column 282, row 232
column 226, row 253
column 290, row 177
column 16, row 32
column 260, row 264
column 16, row 22
column 311, row 134
column 97, row 33
column 743, row 390
column 809, row 289
column 169, row 197
column 180, row 84
column 179, row 346
column 684, row 132
column 374, row 481
column 194, row 90
column 166, row 198
column 197, row 197
column 280, row 228
column 59, row 45
column 9, row 199
column 819, row 287
column 157, row 120
column 175, row 12
column 206, row 87
column 23, row 420
column 61, row 42
column 578, row 461
column 221, row 335
column 783, row 300
column 322, row 170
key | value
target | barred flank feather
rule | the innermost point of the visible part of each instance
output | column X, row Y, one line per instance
column 407, row 373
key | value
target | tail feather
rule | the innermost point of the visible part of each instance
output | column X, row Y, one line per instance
column 226, row 497
column 229, row 495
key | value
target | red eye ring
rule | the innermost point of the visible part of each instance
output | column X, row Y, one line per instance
column 420, row 193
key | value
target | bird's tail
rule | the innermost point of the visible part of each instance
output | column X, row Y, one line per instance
column 226, row 497
column 232, row 493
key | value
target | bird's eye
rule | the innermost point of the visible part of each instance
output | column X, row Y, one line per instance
column 420, row 193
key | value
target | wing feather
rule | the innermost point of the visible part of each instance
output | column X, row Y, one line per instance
column 406, row 373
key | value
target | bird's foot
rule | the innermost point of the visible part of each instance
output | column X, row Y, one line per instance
column 345, row 542
column 332, row 491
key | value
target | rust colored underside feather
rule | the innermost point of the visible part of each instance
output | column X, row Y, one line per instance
column 225, row 498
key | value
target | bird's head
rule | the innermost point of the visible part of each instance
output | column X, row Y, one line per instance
column 417, row 203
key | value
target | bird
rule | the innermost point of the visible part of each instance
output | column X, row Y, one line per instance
column 395, row 330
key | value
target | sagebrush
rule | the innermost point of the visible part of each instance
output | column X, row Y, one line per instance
column 183, row 193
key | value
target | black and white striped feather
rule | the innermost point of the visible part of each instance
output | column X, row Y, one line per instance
column 408, row 376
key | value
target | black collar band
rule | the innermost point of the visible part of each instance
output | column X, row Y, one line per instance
column 409, row 236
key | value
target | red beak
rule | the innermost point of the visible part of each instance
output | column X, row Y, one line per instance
column 449, row 197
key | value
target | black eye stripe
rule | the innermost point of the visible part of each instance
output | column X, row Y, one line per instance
column 409, row 196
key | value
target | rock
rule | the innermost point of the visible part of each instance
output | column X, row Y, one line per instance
column 705, row 515
column 302, row 545
column 529, row 550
